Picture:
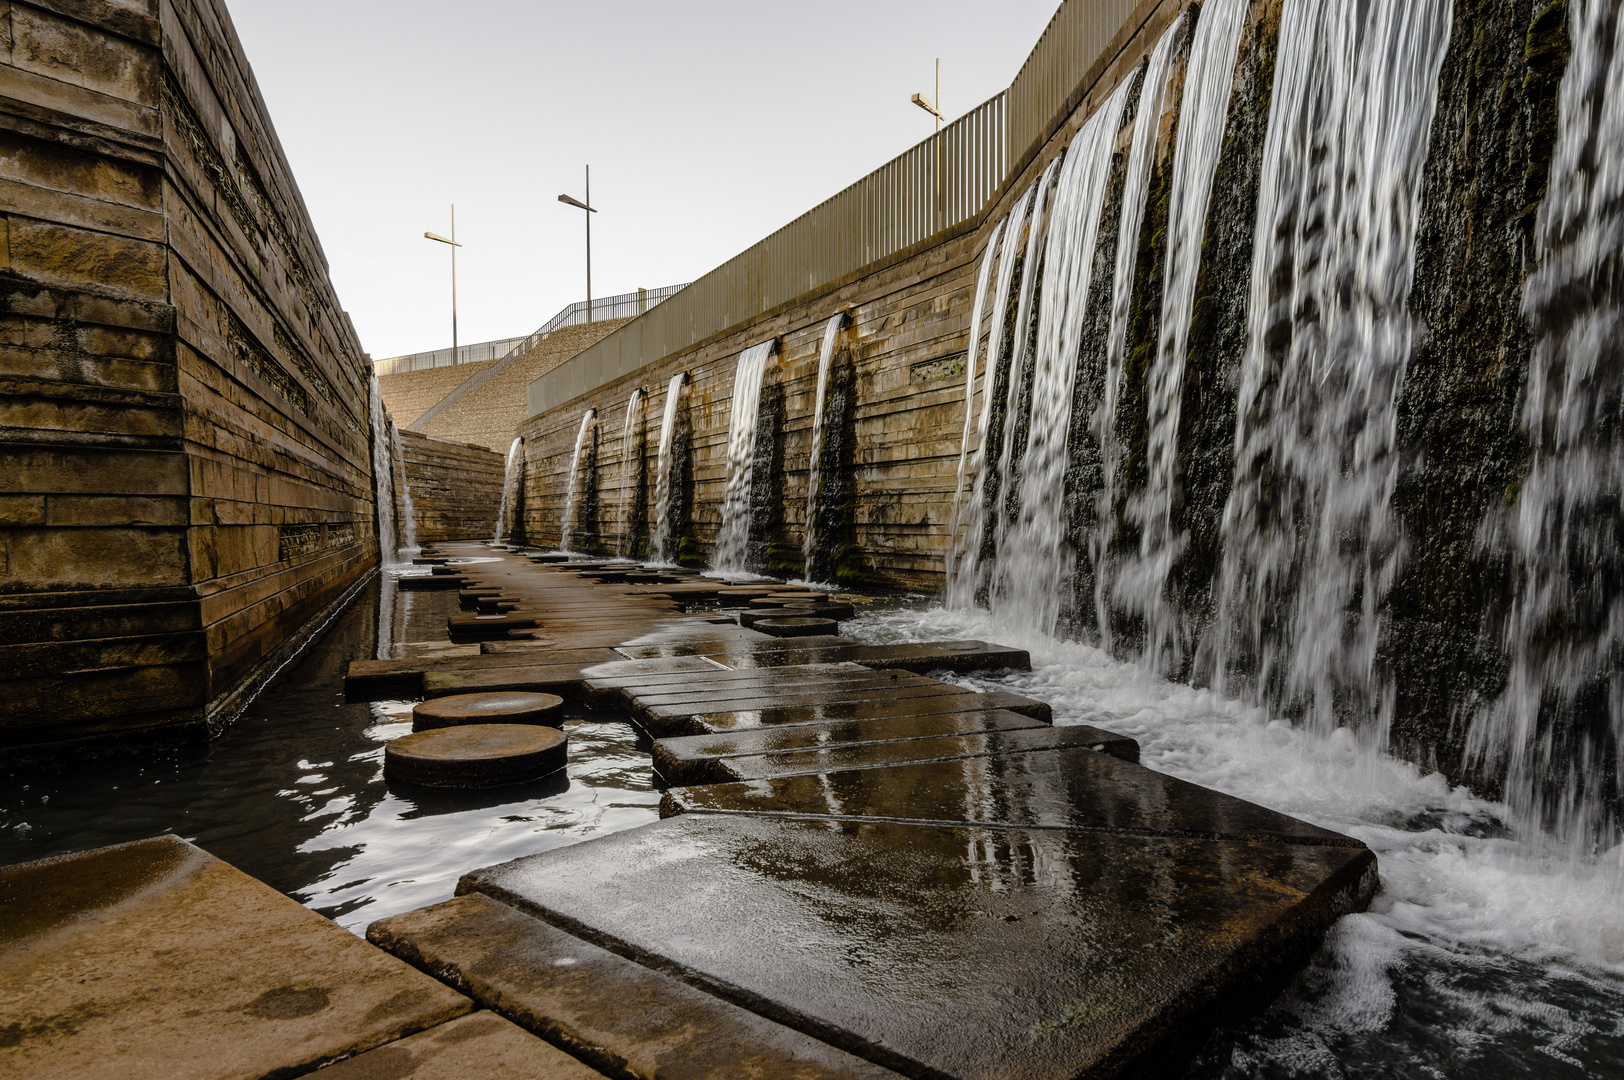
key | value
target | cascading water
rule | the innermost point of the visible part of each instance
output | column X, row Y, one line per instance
column 630, row 431
column 1558, row 727
column 1135, row 192
column 1035, row 556
column 1209, row 78
column 964, row 559
column 510, row 492
column 661, row 546
column 408, row 512
column 814, row 469
column 977, row 313
column 1311, row 543
column 733, row 537
column 383, row 486
column 567, row 530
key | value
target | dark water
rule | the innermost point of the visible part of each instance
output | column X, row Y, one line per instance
column 294, row 794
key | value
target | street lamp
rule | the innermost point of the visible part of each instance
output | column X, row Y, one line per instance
column 454, row 246
column 590, row 210
column 934, row 108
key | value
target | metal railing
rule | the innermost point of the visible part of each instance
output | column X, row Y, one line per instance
column 604, row 308
column 951, row 178
column 438, row 358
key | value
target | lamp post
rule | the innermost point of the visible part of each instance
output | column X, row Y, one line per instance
column 932, row 107
column 590, row 210
column 454, row 246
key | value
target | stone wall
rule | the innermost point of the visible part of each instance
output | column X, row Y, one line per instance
column 185, row 477
column 905, row 345
column 455, row 487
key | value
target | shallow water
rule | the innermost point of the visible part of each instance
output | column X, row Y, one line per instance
column 294, row 794
column 1482, row 955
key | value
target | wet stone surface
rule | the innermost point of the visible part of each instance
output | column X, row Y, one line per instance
column 476, row 755
column 513, row 707
column 958, row 950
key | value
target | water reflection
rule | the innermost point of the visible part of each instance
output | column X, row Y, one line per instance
column 294, row 794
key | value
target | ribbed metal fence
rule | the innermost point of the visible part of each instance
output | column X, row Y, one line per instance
column 945, row 181
column 437, row 358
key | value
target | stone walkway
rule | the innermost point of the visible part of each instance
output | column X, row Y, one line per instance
column 861, row 871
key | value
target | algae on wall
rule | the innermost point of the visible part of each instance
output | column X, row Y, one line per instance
column 1459, row 418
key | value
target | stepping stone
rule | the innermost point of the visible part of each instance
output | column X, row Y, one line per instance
column 478, row 626
column 427, row 583
column 156, row 961
column 476, row 755
column 512, row 707
column 610, row 1012
column 374, row 680
column 432, row 561
column 885, row 755
column 447, row 571
column 549, row 558
column 961, row 951
column 836, row 612
column 1067, row 788
column 951, row 699
column 481, row 1045
column 561, row 679
column 688, row 759
column 802, row 626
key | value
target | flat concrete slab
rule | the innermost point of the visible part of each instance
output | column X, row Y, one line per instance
column 156, row 960
column 622, row 1017
column 482, row 1046
column 955, row 950
column 951, row 699
column 884, row 755
column 377, row 679
column 476, row 755
column 1069, row 788
column 688, row 759
column 561, row 679
column 924, row 657
column 795, row 626
column 504, row 707
column 662, row 719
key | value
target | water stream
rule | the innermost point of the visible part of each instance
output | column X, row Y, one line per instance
column 510, row 487
column 733, row 536
column 662, row 546
column 630, row 433
column 814, row 467
column 572, row 480
column 408, row 511
column 383, row 478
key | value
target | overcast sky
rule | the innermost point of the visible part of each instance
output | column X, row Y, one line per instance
column 707, row 126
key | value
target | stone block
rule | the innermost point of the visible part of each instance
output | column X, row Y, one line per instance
column 62, row 255
column 154, row 959
column 481, row 1045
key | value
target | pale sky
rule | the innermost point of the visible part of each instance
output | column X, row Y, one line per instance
column 707, row 125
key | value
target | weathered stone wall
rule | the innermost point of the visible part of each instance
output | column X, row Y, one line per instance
column 185, row 476
column 455, row 488
column 907, row 339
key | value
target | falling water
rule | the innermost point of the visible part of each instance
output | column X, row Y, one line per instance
column 568, row 528
column 1035, row 556
column 1311, row 543
column 964, row 561
column 977, row 312
column 814, row 473
column 408, row 512
column 1142, row 586
column 733, row 538
column 660, row 547
column 628, row 445
column 1558, row 728
column 1135, row 192
column 510, row 476
column 383, row 477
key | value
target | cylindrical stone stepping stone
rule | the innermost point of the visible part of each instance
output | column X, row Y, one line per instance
column 498, row 707
column 476, row 755
column 751, row 617
column 796, row 626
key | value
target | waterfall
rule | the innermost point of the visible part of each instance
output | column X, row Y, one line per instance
column 1558, row 727
column 1035, row 556
column 977, row 312
column 408, row 512
column 733, row 538
column 964, row 561
column 510, row 476
column 632, row 426
column 1135, row 192
column 1311, row 544
column 1142, row 585
column 661, row 546
column 383, row 486
column 568, row 527
column 814, row 467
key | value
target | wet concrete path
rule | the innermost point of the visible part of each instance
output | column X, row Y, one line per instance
column 863, row 870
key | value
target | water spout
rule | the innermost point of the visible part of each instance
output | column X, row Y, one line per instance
column 733, row 538
column 814, row 468
column 567, row 530
column 633, row 426
column 510, row 477
column 662, row 546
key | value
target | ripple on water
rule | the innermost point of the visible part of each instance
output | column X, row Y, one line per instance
column 1482, row 954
